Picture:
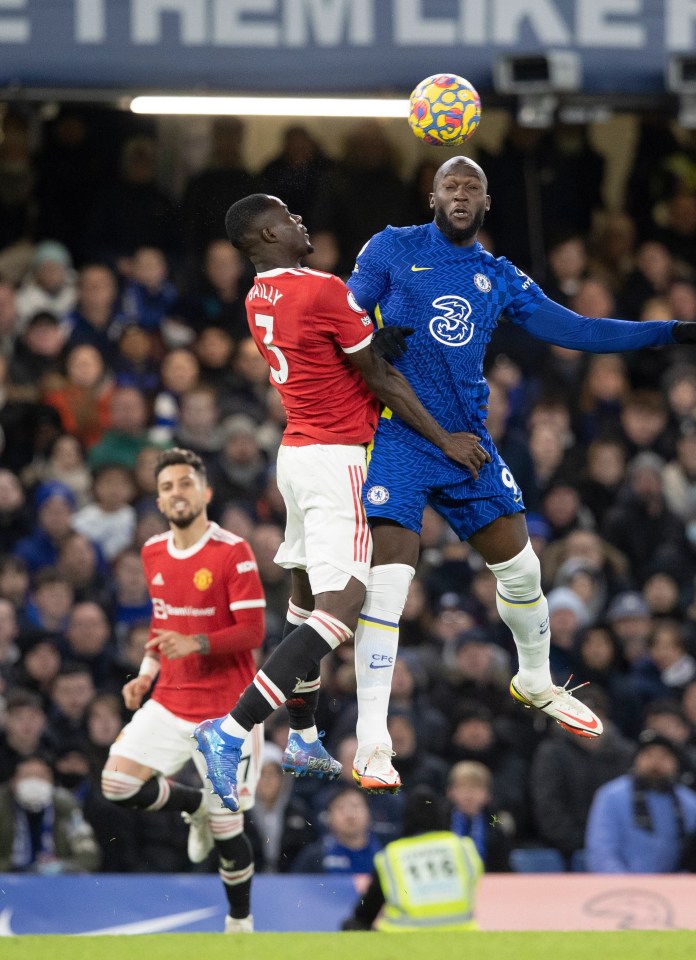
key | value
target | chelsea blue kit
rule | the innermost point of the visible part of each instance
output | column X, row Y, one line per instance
column 454, row 296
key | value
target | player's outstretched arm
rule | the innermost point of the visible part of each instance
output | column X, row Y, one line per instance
column 556, row 324
column 392, row 388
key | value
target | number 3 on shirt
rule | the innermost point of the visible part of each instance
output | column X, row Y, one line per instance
column 279, row 374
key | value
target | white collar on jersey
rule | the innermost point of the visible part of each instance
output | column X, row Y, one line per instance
column 192, row 550
column 276, row 271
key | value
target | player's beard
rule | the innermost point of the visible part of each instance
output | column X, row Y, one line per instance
column 459, row 234
column 185, row 520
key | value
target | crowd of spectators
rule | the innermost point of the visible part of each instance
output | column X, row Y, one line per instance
column 123, row 331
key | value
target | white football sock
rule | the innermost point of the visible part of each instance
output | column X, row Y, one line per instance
column 376, row 644
column 523, row 607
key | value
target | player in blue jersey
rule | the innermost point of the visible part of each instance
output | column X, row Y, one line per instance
column 437, row 284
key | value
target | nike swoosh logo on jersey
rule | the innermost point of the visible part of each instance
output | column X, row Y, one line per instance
column 415, row 269
column 379, row 666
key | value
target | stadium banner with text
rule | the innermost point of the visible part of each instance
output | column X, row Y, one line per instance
column 169, row 903
column 304, row 46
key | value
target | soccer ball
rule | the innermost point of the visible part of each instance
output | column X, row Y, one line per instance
column 444, row 110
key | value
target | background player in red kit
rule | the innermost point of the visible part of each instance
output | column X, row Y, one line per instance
column 317, row 341
column 208, row 618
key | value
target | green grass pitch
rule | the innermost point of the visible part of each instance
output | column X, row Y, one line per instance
column 628, row 945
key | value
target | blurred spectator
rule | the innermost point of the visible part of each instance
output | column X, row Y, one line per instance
column 420, row 764
column 295, row 172
column 131, row 211
column 668, row 718
column 238, row 468
column 134, row 364
column 214, row 348
column 63, row 461
column 477, row 673
column 638, row 822
column 127, row 435
column 95, row 319
column 349, row 845
column 643, row 420
column 15, row 519
column 477, row 737
column 43, row 828
column 39, row 663
column 641, row 520
column 565, row 774
column 679, row 475
column 179, row 373
column 71, row 692
column 49, row 602
column 130, row 600
column 88, row 641
column 218, row 296
column 209, row 193
column 82, row 564
column 531, row 173
column 568, row 614
column 27, row 427
column 50, row 285
column 668, row 662
column 653, row 272
column 149, row 296
column 469, row 786
column 54, row 503
column 361, row 194
column 605, row 471
column 199, row 426
column 604, row 390
column 279, row 824
column 110, row 520
column 25, row 730
column 14, row 580
column 36, row 360
column 83, row 399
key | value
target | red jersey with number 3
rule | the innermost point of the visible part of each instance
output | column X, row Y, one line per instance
column 209, row 587
column 305, row 323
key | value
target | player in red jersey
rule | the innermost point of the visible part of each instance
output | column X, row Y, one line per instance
column 207, row 620
column 317, row 341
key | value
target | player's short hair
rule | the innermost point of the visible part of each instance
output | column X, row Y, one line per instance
column 241, row 218
column 424, row 811
column 176, row 455
column 452, row 162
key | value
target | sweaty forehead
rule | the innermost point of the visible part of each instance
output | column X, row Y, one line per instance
column 460, row 167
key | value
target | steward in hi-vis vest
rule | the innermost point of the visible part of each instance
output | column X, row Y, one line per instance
column 425, row 881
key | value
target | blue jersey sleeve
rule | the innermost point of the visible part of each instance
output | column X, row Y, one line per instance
column 528, row 306
column 555, row 324
column 369, row 281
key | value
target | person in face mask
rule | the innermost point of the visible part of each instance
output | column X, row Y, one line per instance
column 642, row 822
column 42, row 829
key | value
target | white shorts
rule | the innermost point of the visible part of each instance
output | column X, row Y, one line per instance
column 326, row 531
column 157, row 738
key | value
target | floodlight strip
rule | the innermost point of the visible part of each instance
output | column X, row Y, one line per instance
column 271, row 106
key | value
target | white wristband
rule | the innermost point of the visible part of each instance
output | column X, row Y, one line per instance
column 149, row 667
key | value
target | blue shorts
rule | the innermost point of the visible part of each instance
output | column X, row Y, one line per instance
column 402, row 477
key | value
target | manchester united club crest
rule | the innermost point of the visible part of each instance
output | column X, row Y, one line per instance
column 202, row 578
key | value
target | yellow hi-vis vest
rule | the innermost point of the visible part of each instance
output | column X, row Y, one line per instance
column 429, row 882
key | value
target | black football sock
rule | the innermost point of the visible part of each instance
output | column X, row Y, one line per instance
column 236, row 871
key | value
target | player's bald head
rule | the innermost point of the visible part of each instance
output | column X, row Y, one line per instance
column 455, row 163
column 245, row 219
